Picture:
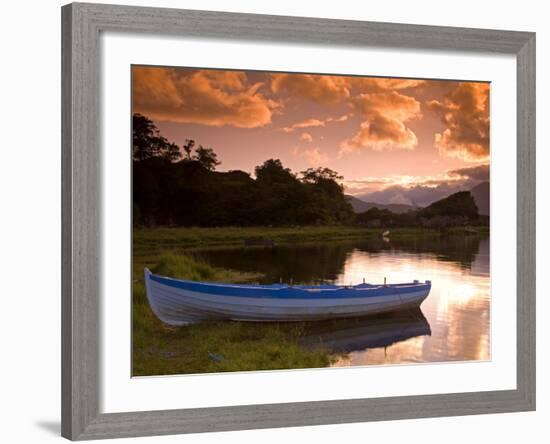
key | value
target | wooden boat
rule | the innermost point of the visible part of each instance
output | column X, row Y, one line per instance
column 180, row 302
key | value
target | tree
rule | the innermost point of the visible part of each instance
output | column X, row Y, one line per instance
column 316, row 175
column 188, row 148
column 147, row 141
column 273, row 171
column 143, row 131
column 207, row 158
column 326, row 195
column 170, row 151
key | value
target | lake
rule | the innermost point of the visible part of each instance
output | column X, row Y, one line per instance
column 453, row 323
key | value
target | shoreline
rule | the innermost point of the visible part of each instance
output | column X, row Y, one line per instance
column 186, row 237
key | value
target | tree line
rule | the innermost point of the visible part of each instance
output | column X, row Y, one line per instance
column 180, row 186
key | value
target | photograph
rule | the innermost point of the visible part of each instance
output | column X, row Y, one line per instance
column 289, row 220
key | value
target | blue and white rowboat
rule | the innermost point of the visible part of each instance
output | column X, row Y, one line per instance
column 180, row 302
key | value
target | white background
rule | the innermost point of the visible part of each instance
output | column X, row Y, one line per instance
column 30, row 222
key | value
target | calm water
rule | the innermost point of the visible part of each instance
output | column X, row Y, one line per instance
column 452, row 324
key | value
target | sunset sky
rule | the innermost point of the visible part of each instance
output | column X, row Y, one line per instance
column 394, row 140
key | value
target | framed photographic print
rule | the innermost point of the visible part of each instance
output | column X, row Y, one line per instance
column 279, row 221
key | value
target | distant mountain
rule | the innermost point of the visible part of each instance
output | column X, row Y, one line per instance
column 481, row 194
column 418, row 195
column 360, row 206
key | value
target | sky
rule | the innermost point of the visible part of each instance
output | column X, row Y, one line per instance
column 394, row 140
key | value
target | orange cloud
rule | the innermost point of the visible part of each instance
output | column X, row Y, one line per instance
column 312, row 123
column 479, row 172
column 373, row 84
column 306, row 137
column 207, row 97
column 380, row 133
column 328, row 89
column 465, row 113
column 308, row 123
column 313, row 156
column 384, row 115
column 338, row 119
column 391, row 104
column 320, row 89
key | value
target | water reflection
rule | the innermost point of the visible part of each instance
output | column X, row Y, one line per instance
column 456, row 313
column 344, row 336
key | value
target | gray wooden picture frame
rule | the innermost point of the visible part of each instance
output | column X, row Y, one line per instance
column 81, row 171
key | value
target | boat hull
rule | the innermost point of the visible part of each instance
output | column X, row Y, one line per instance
column 177, row 302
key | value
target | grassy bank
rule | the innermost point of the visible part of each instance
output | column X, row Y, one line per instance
column 212, row 346
column 185, row 237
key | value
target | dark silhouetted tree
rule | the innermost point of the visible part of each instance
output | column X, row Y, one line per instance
column 188, row 148
column 316, row 175
column 147, row 141
column 207, row 158
column 273, row 171
column 143, row 132
column 326, row 196
column 170, row 151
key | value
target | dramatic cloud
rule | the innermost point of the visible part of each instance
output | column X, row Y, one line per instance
column 308, row 123
column 214, row 98
column 384, row 125
column 326, row 90
column 416, row 190
column 465, row 113
column 480, row 172
column 314, row 156
column 334, row 89
column 338, row 119
column 383, row 109
column 312, row 123
column 306, row 137
column 373, row 84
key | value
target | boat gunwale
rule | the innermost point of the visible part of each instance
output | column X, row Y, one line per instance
column 290, row 291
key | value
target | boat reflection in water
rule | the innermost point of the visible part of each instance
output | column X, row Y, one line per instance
column 360, row 334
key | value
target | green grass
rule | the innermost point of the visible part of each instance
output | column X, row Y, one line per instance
column 186, row 267
column 162, row 350
column 481, row 230
column 186, row 237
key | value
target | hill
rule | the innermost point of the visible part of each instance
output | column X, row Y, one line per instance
column 481, row 194
column 455, row 209
column 360, row 206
